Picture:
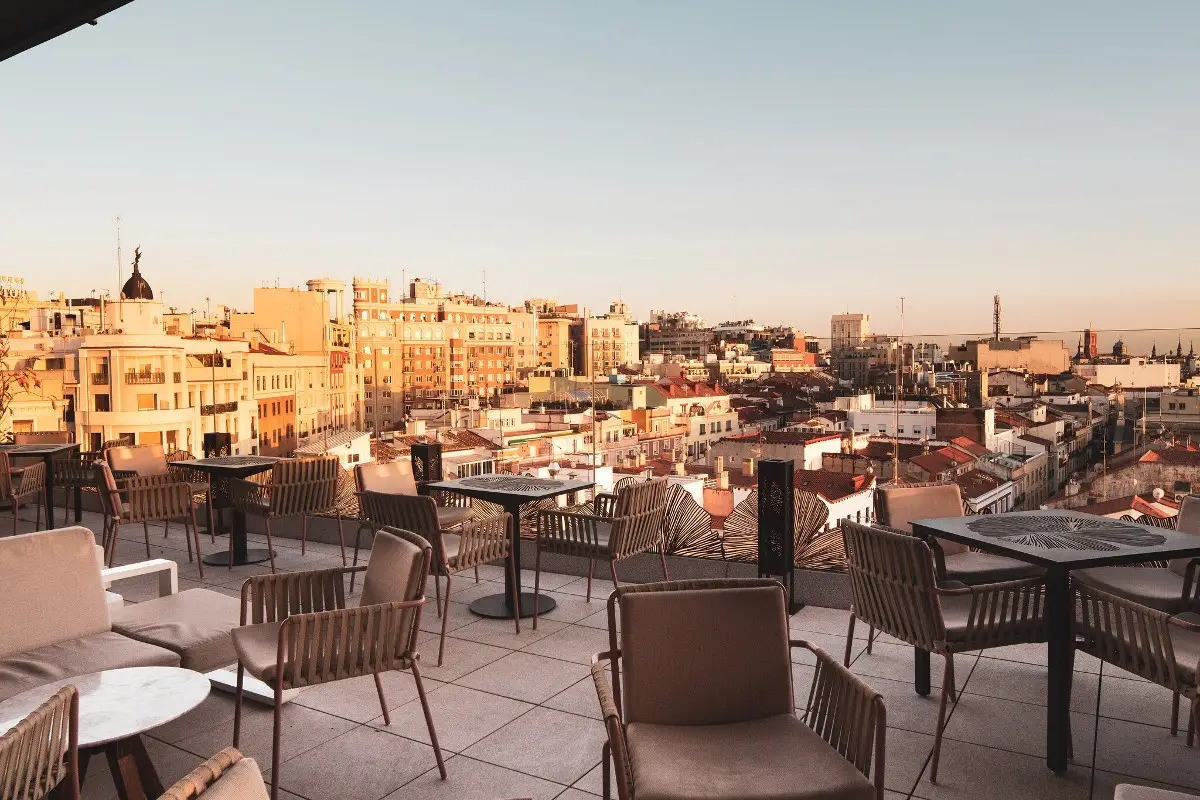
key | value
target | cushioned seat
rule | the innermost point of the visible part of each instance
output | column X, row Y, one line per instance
column 1127, row 791
column 242, row 781
column 195, row 624
column 973, row 568
column 1154, row 587
column 452, row 543
column 79, row 656
column 1186, row 644
column 451, row 516
column 256, row 647
column 778, row 757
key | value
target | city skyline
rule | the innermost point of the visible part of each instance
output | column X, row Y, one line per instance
column 783, row 164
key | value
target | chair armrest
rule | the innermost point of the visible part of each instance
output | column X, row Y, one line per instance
column 278, row 596
column 1191, row 589
column 847, row 713
column 446, row 499
column 154, row 498
column 570, row 527
column 168, row 574
column 195, row 782
column 343, row 643
column 1000, row 610
column 612, row 720
column 605, row 504
column 482, row 541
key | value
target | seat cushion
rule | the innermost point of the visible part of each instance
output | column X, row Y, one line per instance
column 242, row 781
column 973, row 568
column 777, row 757
column 1151, row 586
column 92, row 653
column 1186, row 644
column 256, row 647
column 1127, row 791
column 452, row 542
column 195, row 624
column 450, row 516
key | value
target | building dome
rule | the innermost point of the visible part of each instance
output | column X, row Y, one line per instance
column 136, row 288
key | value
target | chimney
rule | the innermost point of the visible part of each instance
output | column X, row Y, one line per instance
column 722, row 480
column 748, row 467
column 718, row 465
column 679, row 470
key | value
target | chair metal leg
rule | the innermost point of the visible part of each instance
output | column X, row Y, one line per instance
column 437, row 750
column 270, row 545
column 112, row 542
column 166, row 528
column 952, row 683
column 591, row 569
column 662, row 559
column 1175, row 714
column 341, row 539
column 357, row 543
column 947, row 682
column 437, row 592
column 612, row 565
column 870, row 638
column 237, row 704
column 477, row 574
column 387, row 718
column 537, row 582
column 304, row 536
column 146, row 529
column 37, row 524
column 196, row 538
column 275, row 742
column 516, row 595
column 605, row 770
column 212, row 530
column 849, row 640
column 445, row 619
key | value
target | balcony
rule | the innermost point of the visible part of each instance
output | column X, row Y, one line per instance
column 218, row 408
column 100, row 379
column 145, row 378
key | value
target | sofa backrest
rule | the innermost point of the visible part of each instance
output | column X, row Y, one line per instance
column 50, row 589
column 385, row 477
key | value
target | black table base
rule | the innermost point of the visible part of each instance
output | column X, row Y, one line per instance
column 253, row 555
column 498, row 606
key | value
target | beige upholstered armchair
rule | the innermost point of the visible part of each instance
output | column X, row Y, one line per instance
column 227, row 774
column 145, row 500
column 634, row 526
column 41, row 754
column 151, row 462
column 468, row 547
column 297, row 487
column 895, row 589
column 25, row 486
column 297, row 630
column 701, row 700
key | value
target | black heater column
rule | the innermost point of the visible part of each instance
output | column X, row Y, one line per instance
column 217, row 445
column 427, row 462
column 777, row 525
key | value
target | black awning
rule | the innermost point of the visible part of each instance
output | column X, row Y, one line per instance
column 28, row 23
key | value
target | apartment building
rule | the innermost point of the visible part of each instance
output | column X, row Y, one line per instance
column 603, row 343
column 848, row 330
column 554, row 347
column 678, row 333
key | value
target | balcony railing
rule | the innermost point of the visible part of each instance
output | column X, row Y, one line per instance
column 100, row 379
column 177, row 377
column 145, row 378
column 218, row 408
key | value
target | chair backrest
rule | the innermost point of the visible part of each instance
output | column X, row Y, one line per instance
column 898, row 506
column 144, row 459
column 1128, row 635
column 50, row 589
column 893, row 581
column 389, row 477
column 638, row 518
column 304, row 485
column 44, row 437
column 396, row 573
column 106, row 488
column 32, row 762
column 410, row 512
column 6, row 478
column 1188, row 521
column 703, row 652
column 226, row 775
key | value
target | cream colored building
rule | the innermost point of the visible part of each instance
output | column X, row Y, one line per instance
column 604, row 343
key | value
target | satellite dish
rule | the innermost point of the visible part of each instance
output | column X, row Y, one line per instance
column 1158, row 494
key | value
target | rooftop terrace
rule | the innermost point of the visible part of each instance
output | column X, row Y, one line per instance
column 517, row 716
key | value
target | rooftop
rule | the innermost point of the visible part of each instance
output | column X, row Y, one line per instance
column 517, row 716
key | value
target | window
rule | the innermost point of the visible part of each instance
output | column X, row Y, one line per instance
column 102, row 402
column 728, row 424
column 702, row 429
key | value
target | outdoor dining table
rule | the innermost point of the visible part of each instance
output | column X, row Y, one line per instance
column 47, row 453
column 511, row 492
column 222, row 469
column 1059, row 541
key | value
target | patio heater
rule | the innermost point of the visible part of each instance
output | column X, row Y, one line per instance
column 217, row 444
column 427, row 462
column 777, row 525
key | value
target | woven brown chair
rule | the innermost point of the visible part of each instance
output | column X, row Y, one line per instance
column 396, row 478
column 44, row 437
column 149, row 461
column 894, row 585
column 41, row 754
column 22, row 487
column 1146, row 641
column 228, row 774
column 145, row 500
column 634, row 527
column 701, row 702
column 469, row 546
column 298, row 487
column 74, row 471
column 296, row 629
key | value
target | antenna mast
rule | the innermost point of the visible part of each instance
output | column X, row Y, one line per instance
column 996, row 318
column 896, row 402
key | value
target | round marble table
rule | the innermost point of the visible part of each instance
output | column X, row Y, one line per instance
column 115, row 707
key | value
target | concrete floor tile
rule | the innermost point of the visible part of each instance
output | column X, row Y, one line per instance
column 468, row 779
column 548, row 744
column 302, row 729
column 1015, row 680
column 577, row 643
column 357, row 699
column 1146, row 751
column 1009, row 725
column 461, row 716
column 502, row 633
column 975, row 772
column 524, row 676
column 572, row 608
column 579, row 698
column 217, row 709
column 460, row 658
column 895, row 662
column 362, row 764
column 1138, row 701
column 460, row 616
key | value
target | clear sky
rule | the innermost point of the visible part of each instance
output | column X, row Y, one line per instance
column 775, row 160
